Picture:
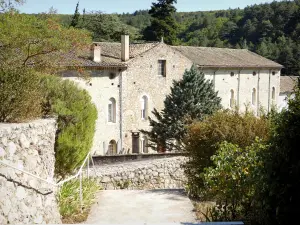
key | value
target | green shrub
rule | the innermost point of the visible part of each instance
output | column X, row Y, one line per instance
column 20, row 95
column 204, row 137
column 76, row 122
column 279, row 195
column 232, row 179
column 69, row 200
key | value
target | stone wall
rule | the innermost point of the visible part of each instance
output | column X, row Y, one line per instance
column 147, row 174
column 23, row 198
column 100, row 160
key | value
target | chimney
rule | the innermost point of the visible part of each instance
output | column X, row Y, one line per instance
column 96, row 53
column 125, row 47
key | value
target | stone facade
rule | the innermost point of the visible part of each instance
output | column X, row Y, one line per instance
column 147, row 174
column 23, row 198
column 242, row 83
column 138, row 79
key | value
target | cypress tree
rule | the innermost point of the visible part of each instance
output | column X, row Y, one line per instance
column 75, row 18
column 191, row 98
column 163, row 23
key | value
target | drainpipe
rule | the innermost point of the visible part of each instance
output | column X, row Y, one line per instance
column 238, row 89
column 257, row 109
column 269, row 91
column 121, row 109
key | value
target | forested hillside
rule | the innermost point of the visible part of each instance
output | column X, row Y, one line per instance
column 272, row 30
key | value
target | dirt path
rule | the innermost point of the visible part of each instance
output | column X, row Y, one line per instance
column 142, row 207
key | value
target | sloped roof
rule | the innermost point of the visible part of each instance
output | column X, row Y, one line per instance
column 224, row 57
column 110, row 55
column 287, row 83
column 112, row 49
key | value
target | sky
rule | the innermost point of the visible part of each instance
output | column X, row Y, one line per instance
column 120, row 6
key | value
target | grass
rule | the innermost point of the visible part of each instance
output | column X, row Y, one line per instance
column 69, row 200
column 201, row 209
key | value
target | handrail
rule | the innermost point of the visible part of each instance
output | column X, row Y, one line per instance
column 54, row 184
column 79, row 173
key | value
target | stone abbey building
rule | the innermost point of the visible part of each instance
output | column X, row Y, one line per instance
column 128, row 80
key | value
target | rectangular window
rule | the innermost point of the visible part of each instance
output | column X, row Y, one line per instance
column 162, row 67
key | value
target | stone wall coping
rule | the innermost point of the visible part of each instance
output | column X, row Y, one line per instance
column 33, row 123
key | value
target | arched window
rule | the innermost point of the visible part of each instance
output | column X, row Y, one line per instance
column 144, row 144
column 254, row 96
column 112, row 148
column 232, row 101
column 144, row 107
column 273, row 93
column 112, row 110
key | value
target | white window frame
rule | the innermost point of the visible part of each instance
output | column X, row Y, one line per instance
column 111, row 111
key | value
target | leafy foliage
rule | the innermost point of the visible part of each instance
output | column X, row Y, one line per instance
column 75, row 18
column 270, row 29
column 280, row 189
column 27, row 41
column 76, row 122
column 7, row 5
column 69, row 200
column 191, row 98
column 232, row 179
column 20, row 95
column 163, row 24
column 204, row 136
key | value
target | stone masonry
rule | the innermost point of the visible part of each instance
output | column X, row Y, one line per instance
column 147, row 174
column 23, row 198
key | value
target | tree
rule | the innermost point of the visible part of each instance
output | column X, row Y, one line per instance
column 27, row 41
column 6, row 5
column 191, row 98
column 76, row 17
column 163, row 24
column 280, row 194
column 105, row 27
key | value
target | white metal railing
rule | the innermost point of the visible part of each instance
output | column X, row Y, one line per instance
column 79, row 173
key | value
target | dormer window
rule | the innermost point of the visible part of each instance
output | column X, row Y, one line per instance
column 162, row 68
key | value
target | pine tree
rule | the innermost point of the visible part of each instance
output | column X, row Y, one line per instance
column 76, row 16
column 191, row 98
column 163, row 23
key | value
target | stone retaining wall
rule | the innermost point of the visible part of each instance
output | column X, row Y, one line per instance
column 23, row 198
column 111, row 159
column 147, row 174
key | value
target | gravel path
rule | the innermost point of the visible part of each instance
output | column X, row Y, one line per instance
column 167, row 206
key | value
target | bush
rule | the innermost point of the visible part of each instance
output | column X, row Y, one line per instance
column 69, row 200
column 204, row 137
column 76, row 122
column 280, row 190
column 232, row 179
column 20, row 95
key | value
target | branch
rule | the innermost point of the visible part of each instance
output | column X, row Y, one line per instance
column 36, row 54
